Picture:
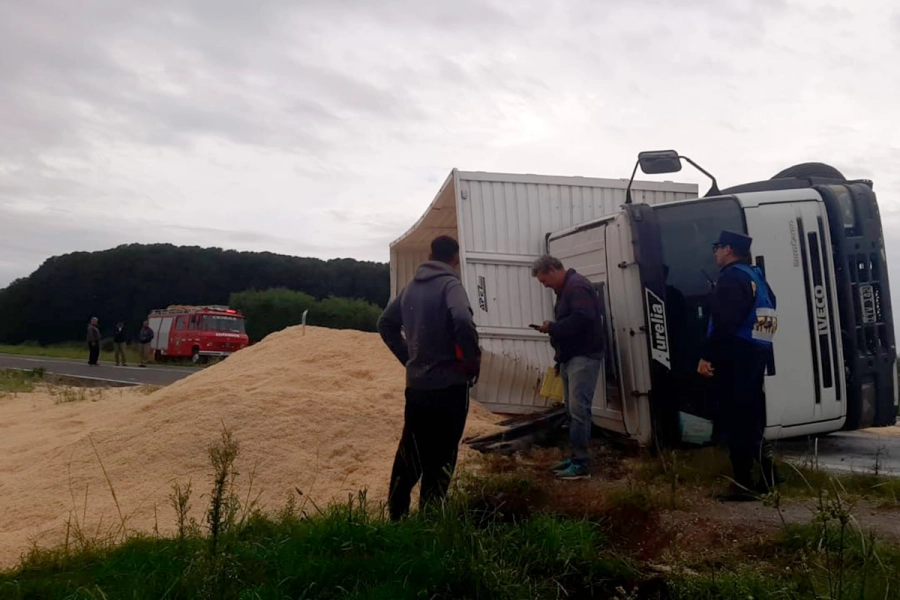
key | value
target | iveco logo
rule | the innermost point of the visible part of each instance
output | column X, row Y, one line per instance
column 821, row 310
column 794, row 244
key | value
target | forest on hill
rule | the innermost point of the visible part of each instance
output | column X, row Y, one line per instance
column 54, row 303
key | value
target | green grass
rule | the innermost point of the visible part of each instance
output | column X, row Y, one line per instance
column 815, row 560
column 710, row 467
column 804, row 481
column 351, row 551
column 73, row 350
column 347, row 551
column 14, row 381
column 79, row 351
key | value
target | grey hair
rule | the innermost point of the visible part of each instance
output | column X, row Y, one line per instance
column 545, row 264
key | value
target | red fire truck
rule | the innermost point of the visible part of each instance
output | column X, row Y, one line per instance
column 196, row 332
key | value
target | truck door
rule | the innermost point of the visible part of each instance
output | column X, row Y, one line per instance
column 162, row 327
column 181, row 342
column 628, row 324
column 584, row 249
column 792, row 244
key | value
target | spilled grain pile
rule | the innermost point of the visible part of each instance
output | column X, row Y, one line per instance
column 320, row 412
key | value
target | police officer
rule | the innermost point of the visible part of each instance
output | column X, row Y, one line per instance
column 739, row 343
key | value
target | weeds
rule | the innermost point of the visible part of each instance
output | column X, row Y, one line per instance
column 149, row 389
column 224, row 503
column 180, row 498
column 15, row 381
column 112, row 490
column 349, row 551
column 69, row 394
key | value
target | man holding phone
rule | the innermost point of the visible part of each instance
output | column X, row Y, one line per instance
column 577, row 336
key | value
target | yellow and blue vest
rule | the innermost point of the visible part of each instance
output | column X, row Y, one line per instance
column 761, row 323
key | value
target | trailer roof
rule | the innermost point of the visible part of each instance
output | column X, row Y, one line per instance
column 440, row 216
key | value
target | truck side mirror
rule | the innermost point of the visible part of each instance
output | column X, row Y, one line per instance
column 656, row 162
column 659, row 161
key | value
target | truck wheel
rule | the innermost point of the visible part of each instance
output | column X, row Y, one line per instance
column 195, row 355
column 810, row 169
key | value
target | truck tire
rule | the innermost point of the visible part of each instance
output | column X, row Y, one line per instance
column 810, row 169
column 195, row 355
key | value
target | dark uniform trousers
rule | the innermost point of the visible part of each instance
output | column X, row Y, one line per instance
column 738, row 383
column 434, row 421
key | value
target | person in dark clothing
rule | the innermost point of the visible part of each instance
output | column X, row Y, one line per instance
column 577, row 336
column 119, row 341
column 739, row 340
column 429, row 327
column 93, row 341
column 144, row 338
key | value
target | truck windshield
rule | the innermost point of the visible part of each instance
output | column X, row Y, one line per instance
column 687, row 232
column 222, row 323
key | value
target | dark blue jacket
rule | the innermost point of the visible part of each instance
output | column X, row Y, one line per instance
column 732, row 303
column 578, row 329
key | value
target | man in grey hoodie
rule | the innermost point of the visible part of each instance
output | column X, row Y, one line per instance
column 429, row 327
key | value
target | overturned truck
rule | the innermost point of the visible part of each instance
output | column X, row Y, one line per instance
column 646, row 247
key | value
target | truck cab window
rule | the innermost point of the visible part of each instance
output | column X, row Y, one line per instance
column 181, row 323
column 686, row 234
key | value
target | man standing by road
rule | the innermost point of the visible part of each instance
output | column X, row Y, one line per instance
column 442, row 359
column 742, row 325
column 144, row 338
column 93, row 341
column 119, row 342
column 577, row 336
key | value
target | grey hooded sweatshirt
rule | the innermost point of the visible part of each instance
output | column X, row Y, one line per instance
column 433, row 312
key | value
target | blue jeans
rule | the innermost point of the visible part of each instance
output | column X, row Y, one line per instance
column 579, row 378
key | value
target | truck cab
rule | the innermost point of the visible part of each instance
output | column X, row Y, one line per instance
column 821, row 247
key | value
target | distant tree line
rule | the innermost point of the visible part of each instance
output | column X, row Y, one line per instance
column 54, row 303
column 272, row 310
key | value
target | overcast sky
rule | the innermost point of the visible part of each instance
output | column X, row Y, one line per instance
column 325, row 127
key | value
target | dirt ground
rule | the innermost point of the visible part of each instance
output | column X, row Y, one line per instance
column 666, row 526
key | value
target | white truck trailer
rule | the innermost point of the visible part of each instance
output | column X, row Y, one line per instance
column 501, row 222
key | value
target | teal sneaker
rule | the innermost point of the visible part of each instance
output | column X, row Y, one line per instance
column 561, row 465
column 574, row 471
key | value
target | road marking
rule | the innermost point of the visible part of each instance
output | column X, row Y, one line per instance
column 122, row 381
column 74, row 361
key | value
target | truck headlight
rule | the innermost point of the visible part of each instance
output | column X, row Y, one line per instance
column 848, row 214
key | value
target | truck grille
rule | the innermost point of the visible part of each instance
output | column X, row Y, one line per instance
column 871, row 329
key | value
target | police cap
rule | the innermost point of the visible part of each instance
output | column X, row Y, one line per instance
column 738, row 241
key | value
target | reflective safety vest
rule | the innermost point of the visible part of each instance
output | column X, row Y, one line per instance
column 761, row 323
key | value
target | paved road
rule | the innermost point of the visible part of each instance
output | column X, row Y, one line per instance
column 849, row 451
column 151, row 375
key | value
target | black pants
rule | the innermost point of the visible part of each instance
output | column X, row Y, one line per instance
column 738, row 385
column 93, row 352
column 433, row 425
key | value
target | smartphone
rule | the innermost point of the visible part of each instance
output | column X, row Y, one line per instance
column 533, row 326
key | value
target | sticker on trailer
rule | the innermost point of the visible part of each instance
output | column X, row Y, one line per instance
column 658, row 330
column 867, row 303
column 482, row 293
